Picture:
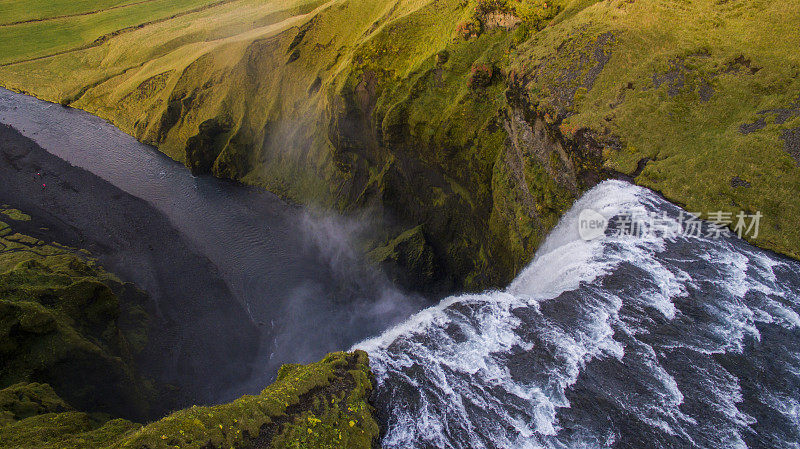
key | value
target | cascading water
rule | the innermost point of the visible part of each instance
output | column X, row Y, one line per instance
column 619, row 341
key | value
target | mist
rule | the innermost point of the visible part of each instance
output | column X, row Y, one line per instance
column 341, row 298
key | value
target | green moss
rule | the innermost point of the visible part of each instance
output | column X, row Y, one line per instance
column 15, row 214
column 408, row 259
column 59, row 323
column 334, row 417
column 24, row 400
column 320, row 405
column 67, row 430
column 323, row 404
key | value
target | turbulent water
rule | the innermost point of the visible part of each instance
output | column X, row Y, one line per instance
column 620, row 341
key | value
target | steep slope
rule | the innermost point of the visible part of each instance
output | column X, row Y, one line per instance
column 467, row 126
column 193, row 318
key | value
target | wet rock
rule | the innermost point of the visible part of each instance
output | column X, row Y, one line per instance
column 779, row 116
column 706, row 91
column 739, row 182
column 408, row 259
column 791, row 143
column 674, row 78
column 747, row 128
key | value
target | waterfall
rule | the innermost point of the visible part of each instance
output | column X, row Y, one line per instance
column 627, row 341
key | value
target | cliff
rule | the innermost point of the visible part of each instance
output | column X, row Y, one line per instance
column 468, row 127
column 62, row 322
column 70, row 333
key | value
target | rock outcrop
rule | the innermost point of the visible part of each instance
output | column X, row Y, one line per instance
column 69, row 378
column 62, row 323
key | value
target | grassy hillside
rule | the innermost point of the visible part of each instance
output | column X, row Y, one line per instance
column 468, row 126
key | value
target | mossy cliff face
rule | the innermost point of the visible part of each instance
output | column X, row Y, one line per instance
column 33, row 416
column 474, row 124
column 24, row 400
column 62, row 323
column 321, row 405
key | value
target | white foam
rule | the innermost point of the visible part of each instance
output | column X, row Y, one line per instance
column 452, row 373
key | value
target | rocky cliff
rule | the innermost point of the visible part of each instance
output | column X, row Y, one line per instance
column 66, row 322
column 70, row 334
column 468, row 127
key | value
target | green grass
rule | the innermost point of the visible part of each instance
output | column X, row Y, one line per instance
column 14, row 11
column 66, row 430
column 319, row 405
column 31, row 40
column 696, row 145
column 356, row 103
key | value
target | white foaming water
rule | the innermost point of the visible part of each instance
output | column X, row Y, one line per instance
column 574, row 259
column 625, row 341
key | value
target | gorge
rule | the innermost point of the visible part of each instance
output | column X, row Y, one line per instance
column 706, row 330
column 203, row 201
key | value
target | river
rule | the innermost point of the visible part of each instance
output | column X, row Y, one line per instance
column 621, row 341
column 292, row 271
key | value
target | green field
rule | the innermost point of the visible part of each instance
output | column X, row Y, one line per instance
column 426, row 111
column 30, row 40
column 13, row 11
